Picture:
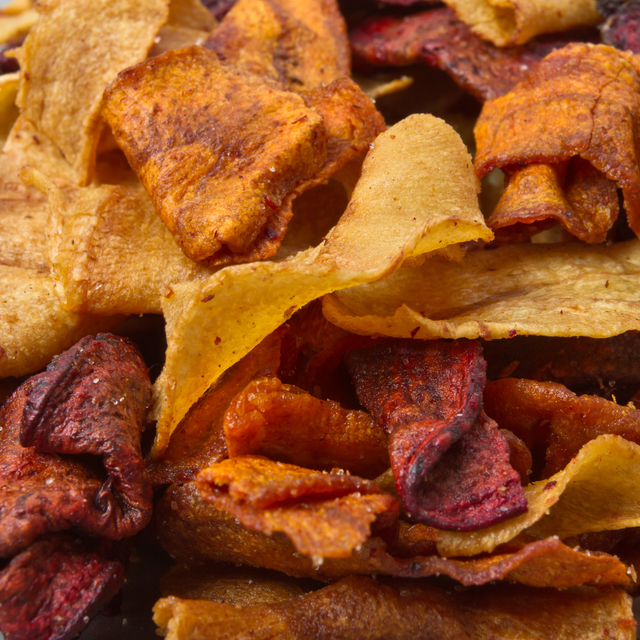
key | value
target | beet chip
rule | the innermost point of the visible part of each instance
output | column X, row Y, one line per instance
column 622, row 29
column 92, row 399
column 450, row 462
column 438, row 38
column 54, row 587
column 325, row 515
column 582, row 100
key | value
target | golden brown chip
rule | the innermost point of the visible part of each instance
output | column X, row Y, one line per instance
column 324, row 514
column 33, row 325
column 8, row 110
column 594, row 492
column 70, row 56
column 547, row 290
column 506, row 22
column 301, row 45
column 360, row 607
column 580, row 100
column 192, row 530
column 110, row 252
column 285, row 423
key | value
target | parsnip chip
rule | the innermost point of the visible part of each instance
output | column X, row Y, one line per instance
column 110, row 252
column 506, row 22
column 549, row 290
column 16, row 25
column 596, row 491
column 204, row 339
column 359, row 607
column 264, row 37
column 33, row 325
column 70, row 56
column 8, row 110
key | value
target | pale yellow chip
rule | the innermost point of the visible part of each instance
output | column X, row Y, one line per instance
column 214, row 322
column 70, row 56
column 8, row 109
column 507, row 22
column 33, row 325
column 550, row 290
column 14, row 25
column 109, row 251
column 189, row 23
column 596, row 491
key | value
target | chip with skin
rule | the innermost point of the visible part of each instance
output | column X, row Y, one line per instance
column 594, row 492
column 435, row 206
column 506, row 22
column 63, row 98
column 530, row 289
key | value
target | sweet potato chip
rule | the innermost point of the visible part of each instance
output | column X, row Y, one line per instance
column 33, row 325
column 360, row 607
column 581, row 100
column 192, row 530
column 227, row 197
column 548, row 415
column 594, row 492
column 436, row 207
column 264, row 37
column 284, row 423
column 324, row 514
column 110, row 252
column 61, row 97
column 548, row 290
column 506, row 22
column 578, row 196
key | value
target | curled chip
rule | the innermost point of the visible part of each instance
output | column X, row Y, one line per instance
column 594, row 492
column 325, row 515
column 223, row 179
column 513, row 290
column 55, row 586
column 450, row 463
column 63, row 98
column 417, row 194
column 506, row 22
column 547, row 416
column 49, row 422
column 300, row 44
column 582, row 100
column 193, row 530
column 287, row 424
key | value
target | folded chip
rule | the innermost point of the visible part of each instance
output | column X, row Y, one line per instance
column 450, row 463
column 527, row 289
column 61, row 97
column 417, row 194
column 92, row 399
column 299, row 44
column 223, row 179
column 582, row 100
column 594, row 492
column 192, row 530
column 326, row 515
column 359, row 607
column 506, row 22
